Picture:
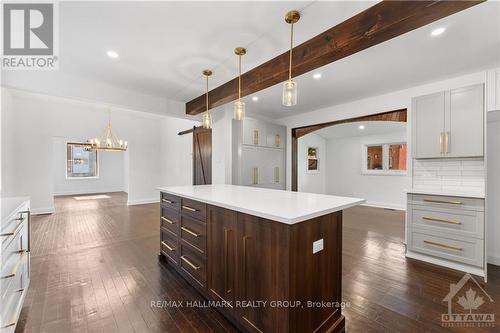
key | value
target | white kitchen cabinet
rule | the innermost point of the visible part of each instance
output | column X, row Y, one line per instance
column 275, row 136
column 254, row 132
column 449, row 124
column 493, row 90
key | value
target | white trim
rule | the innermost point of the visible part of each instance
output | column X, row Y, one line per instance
column 107, row 190
column 41, row 211
column 494, row 260
column 384, row 205
column 446, row 263
column 142, row 201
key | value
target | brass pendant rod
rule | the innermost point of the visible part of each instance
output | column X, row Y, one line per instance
column 239, row 78
column 291, row 52
column 207, row 93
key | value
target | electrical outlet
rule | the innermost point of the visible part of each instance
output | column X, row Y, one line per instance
column 317, row 245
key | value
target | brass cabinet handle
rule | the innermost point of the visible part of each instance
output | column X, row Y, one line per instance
column 16, row 229
column 191, row 232
column 440, row 142
column 171, row 248
column 9, row 325
column 446, row 246
column 193, row 266
column 440, row 220
column 444, row 201
column 167, row 201
column 255, row 176
column 277, row 140
column 447, row 142
column 167, row 220
column 226, row 259
column 255, row 137
column 189, row 208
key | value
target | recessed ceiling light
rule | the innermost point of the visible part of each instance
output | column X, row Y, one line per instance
column 437, row 31
column 255, row 98
column 361, row 127
column 112, row 54
column 317, row 76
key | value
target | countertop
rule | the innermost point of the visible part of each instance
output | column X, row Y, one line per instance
column 282, row 206
column 464, row 194
column 9, row 205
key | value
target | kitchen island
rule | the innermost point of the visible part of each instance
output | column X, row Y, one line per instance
column 269, row 260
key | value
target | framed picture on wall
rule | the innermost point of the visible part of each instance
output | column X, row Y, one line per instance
column 312, row 160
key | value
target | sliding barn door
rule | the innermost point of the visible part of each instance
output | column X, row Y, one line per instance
column 202, row 156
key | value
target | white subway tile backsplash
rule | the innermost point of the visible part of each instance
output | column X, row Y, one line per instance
column 449, row 175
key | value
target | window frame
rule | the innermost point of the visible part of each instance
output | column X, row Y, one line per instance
column 385, row 159
column 66, row 158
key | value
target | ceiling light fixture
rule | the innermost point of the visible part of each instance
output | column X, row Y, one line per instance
column 317, row 76
column 108, row 141
column 255, row 98
column 290, row 86
column 207, row 118
column 438, row 31
column 239, row 106
column 361, row 127
column 113, row 54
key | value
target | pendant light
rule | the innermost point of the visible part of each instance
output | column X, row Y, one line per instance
column 239, row 106
column 108, row 140
column 290, row 86
column 207, row 118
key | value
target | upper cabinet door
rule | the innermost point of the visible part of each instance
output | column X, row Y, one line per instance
column 275, row 136
column 493, row 85
column 428, row 125
column 254, row 132
column 464, row 135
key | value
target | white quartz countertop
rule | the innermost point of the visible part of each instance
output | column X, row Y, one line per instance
column 9, row 205
column 282, row 206
column 463, row 194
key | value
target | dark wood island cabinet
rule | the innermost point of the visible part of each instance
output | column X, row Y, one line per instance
column 262, row 272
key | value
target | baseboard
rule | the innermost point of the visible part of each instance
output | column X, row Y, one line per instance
column 383, row 205
column 41, row 211
column 445, row 263
column 142, row 201
column 494, row 260
column 88, row 192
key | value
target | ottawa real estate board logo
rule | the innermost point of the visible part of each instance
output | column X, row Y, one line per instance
column 465, row 301
column 30, row 36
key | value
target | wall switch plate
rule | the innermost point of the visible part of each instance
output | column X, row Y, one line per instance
column 317, row 245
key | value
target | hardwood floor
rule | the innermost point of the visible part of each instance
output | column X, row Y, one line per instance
column 95, row 269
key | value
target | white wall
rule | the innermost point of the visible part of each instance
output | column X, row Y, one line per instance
column 111, row 171
column 32, row 121
column 493, row 187
column 344, row 164
column 312, row 182
column 222, row 137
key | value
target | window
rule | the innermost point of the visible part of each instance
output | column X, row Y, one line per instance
column 80, row 162
column 386, row 158
column 312, row 160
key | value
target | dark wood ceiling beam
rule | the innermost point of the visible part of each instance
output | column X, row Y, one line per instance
column 375, row 25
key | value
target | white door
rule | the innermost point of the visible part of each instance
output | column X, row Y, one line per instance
column 428, row 125
column 464, row 135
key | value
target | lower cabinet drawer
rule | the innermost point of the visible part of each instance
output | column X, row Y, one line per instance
column 465, row 250
column 448, row 222
column 170, row 246
column 194, row 232
column 193, row 264
column 446, row 202
column 169, row 219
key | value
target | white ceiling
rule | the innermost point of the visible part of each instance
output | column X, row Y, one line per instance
column 164, row 46
column 352, row 129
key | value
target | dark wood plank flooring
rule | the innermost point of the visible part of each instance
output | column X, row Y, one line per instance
column 95, row 269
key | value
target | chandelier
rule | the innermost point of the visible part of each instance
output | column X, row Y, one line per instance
column 108, row 141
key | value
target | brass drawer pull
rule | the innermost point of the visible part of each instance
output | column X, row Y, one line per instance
column 444, row 201
column 167, row 201
column 16, row 229
column 190, row 232
column 440, row 142
column 189, row 208
column 167, row 220
column 9, row 325
column 440, row 220
column 193, row 266
column 456, row 248
column 447, row 142
column 255, row 137
column 170, row 248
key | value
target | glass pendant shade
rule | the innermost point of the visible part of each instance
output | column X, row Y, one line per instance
column 207, row 120
column 239, row 110
column 289, row 93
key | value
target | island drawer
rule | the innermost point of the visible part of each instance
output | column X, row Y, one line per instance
column 194, row 209
column 193, row 264
column 170, row 220
column 459, row 249
column 170, row 246
column 444, row 221
column 170, row 201
column 446, row 202
column 194, row 232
